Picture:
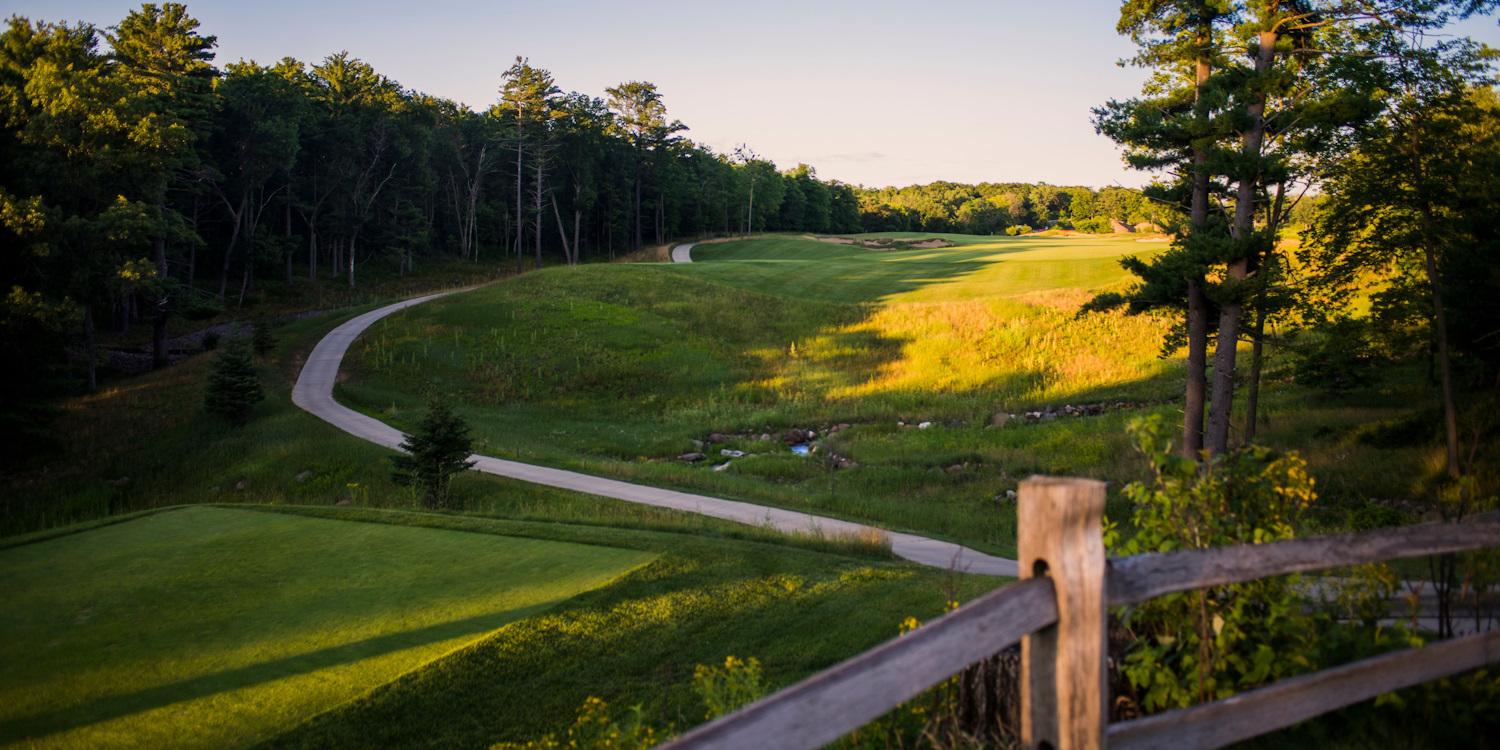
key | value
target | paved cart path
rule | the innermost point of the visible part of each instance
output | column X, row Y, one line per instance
column 314, row 393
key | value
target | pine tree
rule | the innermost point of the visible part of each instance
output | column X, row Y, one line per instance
column 438, row 450
column 261, row 338
column 233, row 385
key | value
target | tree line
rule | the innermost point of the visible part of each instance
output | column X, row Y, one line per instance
column 992, row 208
column 139, row 180
column 1380, row 111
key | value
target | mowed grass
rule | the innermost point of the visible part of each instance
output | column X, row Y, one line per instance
column 211, row 627
column 617, row 369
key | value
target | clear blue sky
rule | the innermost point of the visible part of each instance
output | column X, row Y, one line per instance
column 871, row 92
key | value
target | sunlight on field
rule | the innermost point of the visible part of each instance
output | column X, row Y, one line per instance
column 207, row 627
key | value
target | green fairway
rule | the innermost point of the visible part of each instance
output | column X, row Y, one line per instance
column 208, row 627
column 616, row 369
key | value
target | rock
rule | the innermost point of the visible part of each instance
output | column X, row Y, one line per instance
column 765, row 436
column 731, row 453
column 955, row 469
column 794, row 436
column 693, row 457
column 697, row 445
column 999, row 419
column 924, row 425
column 1010, row 495
column 241, row 485
column 721, row 467
column 304, row 475
column 714, row 438
column 344, row 503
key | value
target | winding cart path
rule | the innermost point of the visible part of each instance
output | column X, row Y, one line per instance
column 313, row 392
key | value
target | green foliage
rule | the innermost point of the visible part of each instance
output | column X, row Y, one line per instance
column 1335, row 357
column 1017, row 229
column 262, row 340
column 596, row 729
column 233, row 384
column 723, row 689
column 1206, row 645
column 437, row 451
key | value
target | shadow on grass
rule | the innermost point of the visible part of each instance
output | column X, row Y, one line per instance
column 116, row 706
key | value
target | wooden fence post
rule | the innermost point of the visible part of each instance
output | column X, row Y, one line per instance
column 1063, row 669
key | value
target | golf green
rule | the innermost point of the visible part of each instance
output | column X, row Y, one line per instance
column 214, row 627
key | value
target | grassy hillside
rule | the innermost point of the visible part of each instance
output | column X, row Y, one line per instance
column 619, row 369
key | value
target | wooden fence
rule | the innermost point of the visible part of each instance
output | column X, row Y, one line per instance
column 1058, row 612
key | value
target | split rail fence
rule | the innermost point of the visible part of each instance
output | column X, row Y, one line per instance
column 1058, row 612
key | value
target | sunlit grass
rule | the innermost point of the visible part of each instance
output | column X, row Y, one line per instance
column 205, row 627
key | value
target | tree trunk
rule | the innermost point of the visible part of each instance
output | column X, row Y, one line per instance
column 563, row 233
column 1222, row 404
column 234, row 237
column 638, row 241
column 91, row 349
column 537, row 228
column 289, row 239
column 1445, row 363
column 520, row 199
column 1197, row 312
column 162, row 304
column 353, row 239
column 1257, row 347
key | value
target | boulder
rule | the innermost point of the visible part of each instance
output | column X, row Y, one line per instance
column 304, row 475
column 693, row 457
column 241, row 485
column 999, row 419
column 924, row 425
column 715, row 438
column 721, row 467
column 730, row 453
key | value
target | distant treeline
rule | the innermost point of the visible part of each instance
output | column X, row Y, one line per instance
column 991, row 208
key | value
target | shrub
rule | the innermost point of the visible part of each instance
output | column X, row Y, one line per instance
column 1093, row 225
column 1207, row 645
column 1334, row 357
column 233, row 385
column 596, row 729
column 210, row 341
column 724, row 689
column 437, row 451
column 1017, row 229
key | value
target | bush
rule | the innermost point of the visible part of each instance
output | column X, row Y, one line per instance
column 596, row 729
column 233, row 385
column 210, row 341
column 1334, row 357
column 1093, row 225
column 438, row 450
column 1207, row 645
column 1017, row 229
column 724, row 689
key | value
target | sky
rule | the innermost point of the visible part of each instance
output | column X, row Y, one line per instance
column 868, row 92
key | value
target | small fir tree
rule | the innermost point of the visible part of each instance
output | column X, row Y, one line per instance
column 261, row 338
column 233, row 385
column 438, row 449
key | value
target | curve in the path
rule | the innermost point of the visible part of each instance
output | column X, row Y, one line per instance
column 683, row 253
column 313, row 392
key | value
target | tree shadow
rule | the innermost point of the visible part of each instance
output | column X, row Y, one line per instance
column 106, row 708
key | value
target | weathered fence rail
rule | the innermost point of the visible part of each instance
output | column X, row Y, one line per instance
column 1058, row 611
